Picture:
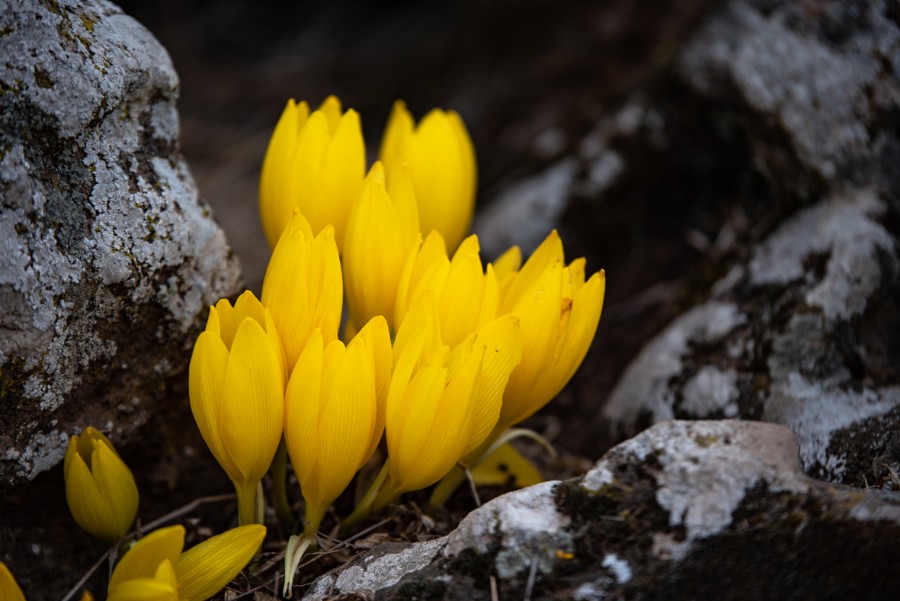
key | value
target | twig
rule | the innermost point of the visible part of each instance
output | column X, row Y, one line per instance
column 87, row 575
column 495, row 596
column 532, row 574
column 472, row 486
column 181, row 511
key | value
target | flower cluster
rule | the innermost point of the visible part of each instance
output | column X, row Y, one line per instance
column 440, row 353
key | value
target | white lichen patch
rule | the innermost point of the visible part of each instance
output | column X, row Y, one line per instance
column 815, row 412
column 388, row 569
column 527, row 524
column 619, row 568
column 711, row 391
column 844, row 228
column 645, row 384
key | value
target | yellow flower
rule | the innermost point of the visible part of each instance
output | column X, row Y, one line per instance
column 443, row 403
column 559, row 313
column 382, row 231
column 302, row 287
column 9, row 589
column 334, row 412
column 155, row 569
column 100, row 489
column 467, row 297
column 237, row 380
column 441, row 162
column 315, row 163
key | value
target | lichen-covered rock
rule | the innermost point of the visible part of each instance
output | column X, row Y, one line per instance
column 812, row 299
column 686, row 510
column 108, row 257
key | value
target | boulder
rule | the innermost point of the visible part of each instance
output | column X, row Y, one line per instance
column 109, row 258
column 685, row 510
column 797, row 323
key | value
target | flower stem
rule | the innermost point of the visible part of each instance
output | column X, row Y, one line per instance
column 246, row 498
column 365, row 507
column 279, row 488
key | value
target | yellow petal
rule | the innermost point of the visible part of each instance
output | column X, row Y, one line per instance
column 506, row 267
column 145, row 557
column 9, row 589
column 346, row 419
column 89, row 507
column 501, row 341
column 116, row 484
column 503, row 465
column 550, row 251
column 302, row 288
column 460, row 301
column 377, row 340
column 143, row 589
column 340, row 177
column 251, row 412
column 331, row 109
column 205, row 381
column 203, row 570
column 381, row 232
column 539, row 312
column 441, row 174
column 301, row 407
column 274, row 205
column 426, row 268
column 579, row 327
column 397, row 134
column 469, row 175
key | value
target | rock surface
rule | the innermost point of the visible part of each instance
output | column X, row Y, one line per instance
column 109, row 258
column 685, row 510
column 798, row 326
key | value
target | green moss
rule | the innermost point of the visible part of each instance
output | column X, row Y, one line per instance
column 87, row 22
column 705, row 440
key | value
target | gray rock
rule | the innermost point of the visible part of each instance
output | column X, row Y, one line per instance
column 685, row 510
column 816, row 289
column 109, row 258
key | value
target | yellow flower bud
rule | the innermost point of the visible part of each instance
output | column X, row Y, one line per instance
column 315, row 163
column 237, row 380
column 334, row 414
column 443, row 403
column 381, row 233
column 441, row 161
column 100, row 489
column 559, row 313
column 156, row 569
column 9, row 589
column 302, row 287
column 467, row 297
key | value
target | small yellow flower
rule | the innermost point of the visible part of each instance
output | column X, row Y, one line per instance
column 9, row 589
column 155, row 569
column 315, row 163
column 334, row 412
column 100, row 489
column 237, row 379
column 467, row 296
column 443, row 403
column 559, row 313
column 441, row 161
column 382, row 231
column 302, row 287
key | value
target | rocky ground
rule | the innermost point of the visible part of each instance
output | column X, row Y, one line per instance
column 732, row 165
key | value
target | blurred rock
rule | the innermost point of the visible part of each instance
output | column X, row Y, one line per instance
column 686, row 510
column 798, row 329
column 109, row 259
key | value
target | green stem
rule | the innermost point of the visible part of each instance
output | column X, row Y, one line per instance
column 447, row 486
column 279, row 488
column 246, row 498
column 365, row 507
